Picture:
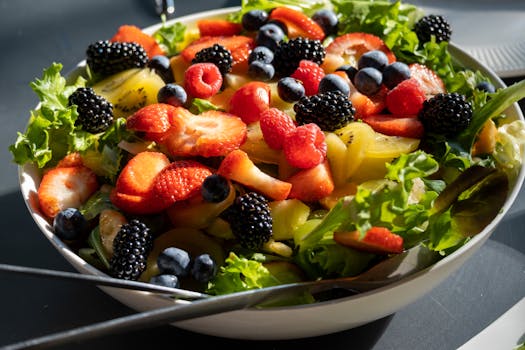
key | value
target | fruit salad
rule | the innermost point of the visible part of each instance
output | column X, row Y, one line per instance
column 287, row 141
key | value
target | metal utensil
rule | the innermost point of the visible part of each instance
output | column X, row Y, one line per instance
column 386, row 272
column 165, row 8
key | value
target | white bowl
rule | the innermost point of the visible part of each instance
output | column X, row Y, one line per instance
column 298, row 321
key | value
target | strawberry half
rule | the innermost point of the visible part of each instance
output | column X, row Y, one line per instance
column 239, row 46
column 238, row 166
column 250, row 101
column 313, row 184
column 297, row 23
column 218, row 27
column 429, row 81
column 154, row 118
column 351, row 46
column 368, row 105
column 378, row 240
column 209, row 134
column 65, row 187
column 178, row 181
column 406, row 98
column 405, row 126
column 137, row 176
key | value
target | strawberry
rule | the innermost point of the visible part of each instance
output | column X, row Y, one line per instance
column 135, row 204
column 202, row 80
column 313, row 184
column 275, row 125
column 368, row 105
column 297, row 23
column 70, row 160
column 429, row 81
column 179, row 181
column 209, row 134
column 136, row 178
column 65, row 187
column 240, row 47
column 351, row 46
column 130, row 33
column 378, row 240
column 218, row 27
column 250, row 101
column 154, row 118
column 310, row 74
column 237, row 166
column 406, row 126
column 406, row 98
column 305, row 146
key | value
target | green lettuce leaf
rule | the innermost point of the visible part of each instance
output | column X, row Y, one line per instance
column 307, row 6
column 170, row 37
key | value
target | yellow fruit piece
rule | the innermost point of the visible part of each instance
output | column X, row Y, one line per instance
column 336, row 154
column 130, row 90
column 358, row 137
column 257, row 149
column 110, row 222
column 287, row 216
column 178, row 67
column 346, row 189
column 486, row 140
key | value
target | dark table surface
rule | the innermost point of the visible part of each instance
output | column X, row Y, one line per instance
column 33, row 34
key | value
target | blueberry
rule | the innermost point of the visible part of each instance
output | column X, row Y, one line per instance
column 486, row 86
column 161, row 65
column 174, row 261
column 165, row 280
column 395, row 73
column 258, row 70
column 204, row 268
column 261, row 53
column 280, row 24
column 374, row 58
column 368, row 81
column 254, row 19
column 290, row 89
column 333, row 82
column 349, row 70
column 172, row 94
column 327, row 19
column 269, row 35
column 215, row 188
column 70, row 224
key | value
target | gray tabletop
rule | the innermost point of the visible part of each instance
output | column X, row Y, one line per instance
column 33, row 34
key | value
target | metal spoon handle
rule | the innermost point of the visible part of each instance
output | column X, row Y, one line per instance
column 102, row 281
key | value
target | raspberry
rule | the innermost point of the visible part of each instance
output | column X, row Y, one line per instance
column 310, row 74
column 406, row 98
column 305, row 147
column 275, row 125
column 202, row 80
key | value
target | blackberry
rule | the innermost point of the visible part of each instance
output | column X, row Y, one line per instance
column 106, row 58
column 95, row 113
column 432, row 25
column 446, row 114
column 289, row 54
column 250, row 220
column 131, row 247
column 216, row 54
column 330, row 110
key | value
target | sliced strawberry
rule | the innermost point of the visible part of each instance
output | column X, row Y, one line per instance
column 313, row 184
column 275, row 125
column 250, row 101
column 135, row 204
column 202, row 80
column 305, row 146
column 239, row 46
column 237, row 166
column 179, row 181
column 297, row 23
column 407, row 97
column 218, row 27
column 136, row 178
column 209, row 134
column 130, row 33
column 378, row 240
column 65, row 187
column 351, row 46
column 429, row 81
column 406, row 126
column 154, row 118
column 368, row 105
column 70, row 160
column 310, row 74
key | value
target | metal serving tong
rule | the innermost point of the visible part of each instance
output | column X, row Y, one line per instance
column 384, row 273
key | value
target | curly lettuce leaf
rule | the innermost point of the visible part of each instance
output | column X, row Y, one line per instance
column 51, row 131
column 171, row 37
